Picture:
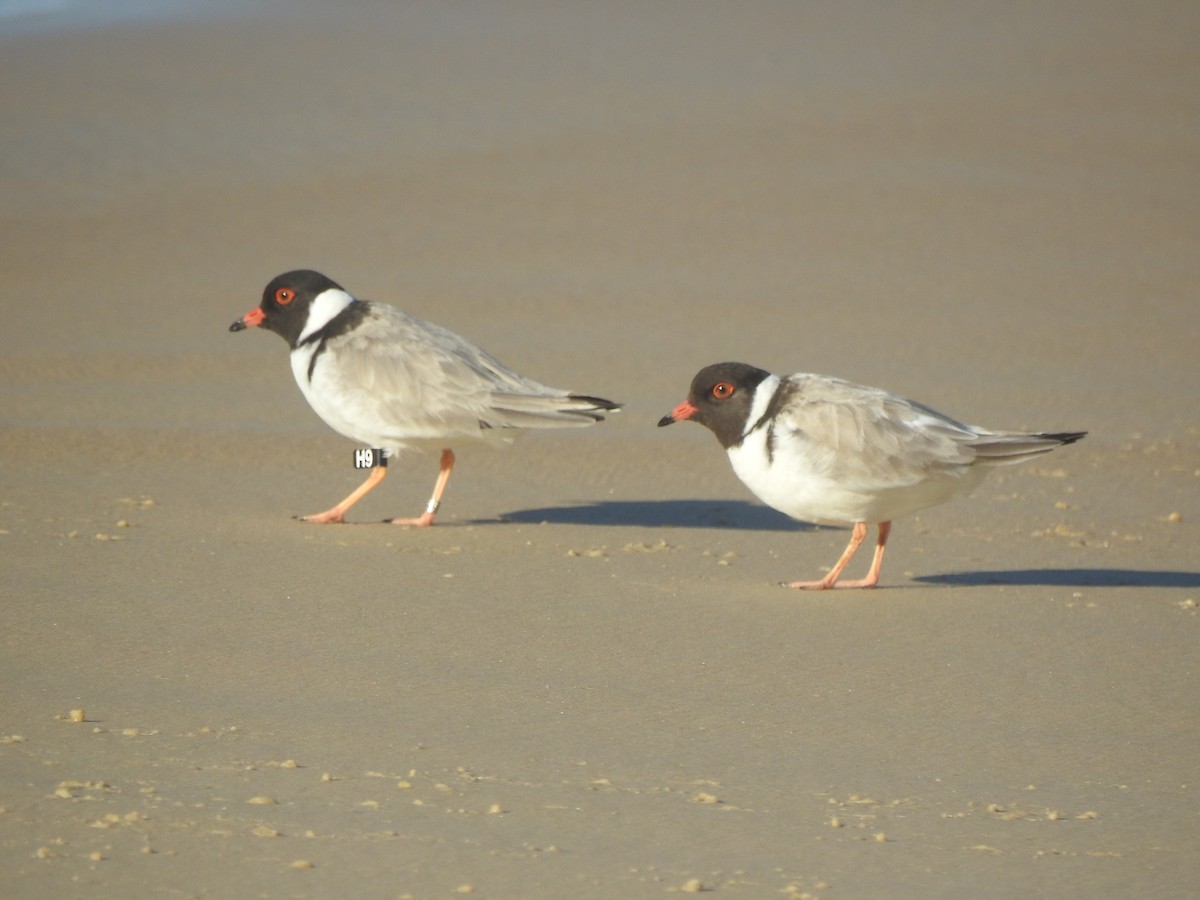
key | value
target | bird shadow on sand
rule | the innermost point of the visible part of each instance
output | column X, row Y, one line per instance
column 737, row 514
column 1068, row 578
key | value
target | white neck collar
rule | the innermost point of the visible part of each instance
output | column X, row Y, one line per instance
column 321, row 311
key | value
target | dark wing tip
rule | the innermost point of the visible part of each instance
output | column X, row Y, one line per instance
column 597, row 402
column 1064, row 437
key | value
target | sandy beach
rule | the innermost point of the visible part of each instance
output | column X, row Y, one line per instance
column 586, row 681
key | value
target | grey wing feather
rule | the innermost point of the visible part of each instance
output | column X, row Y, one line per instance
column 869, row 436
column 426, row 377
column 873, row 436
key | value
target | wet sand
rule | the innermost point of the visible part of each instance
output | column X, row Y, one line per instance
column 586, row 681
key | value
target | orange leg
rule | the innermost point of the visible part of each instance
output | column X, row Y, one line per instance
column 856, row 538
column 426, row 518
column 338, row 513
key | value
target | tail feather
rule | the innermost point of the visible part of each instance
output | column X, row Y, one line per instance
column 548, row 411
column 1001, row 449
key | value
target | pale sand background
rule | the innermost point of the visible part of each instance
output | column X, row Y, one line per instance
column 991, row 207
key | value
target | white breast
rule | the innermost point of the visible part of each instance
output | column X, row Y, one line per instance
column 341, row 409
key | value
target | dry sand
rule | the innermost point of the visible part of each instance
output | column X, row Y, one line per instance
column 586, row 682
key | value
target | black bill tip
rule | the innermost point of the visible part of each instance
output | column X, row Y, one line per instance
column 666, row 420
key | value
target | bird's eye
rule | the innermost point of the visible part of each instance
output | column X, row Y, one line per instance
column 284, row 296
column 722, row 390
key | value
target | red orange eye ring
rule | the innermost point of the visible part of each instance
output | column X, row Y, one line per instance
column 723, row 390
column 284, row 296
